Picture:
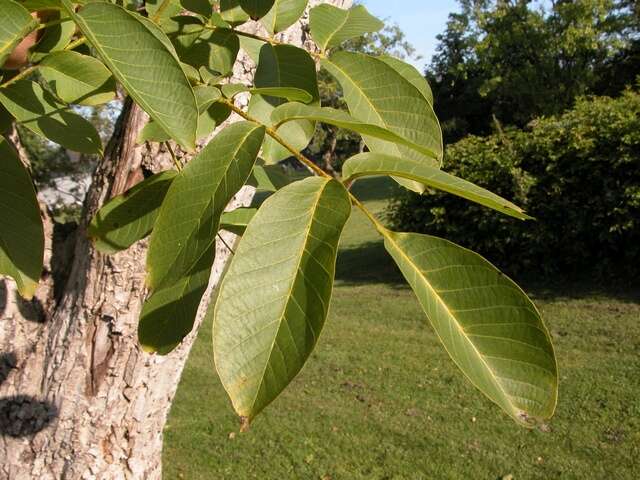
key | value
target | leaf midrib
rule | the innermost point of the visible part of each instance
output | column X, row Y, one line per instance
column 289, row 293
column 493, row 376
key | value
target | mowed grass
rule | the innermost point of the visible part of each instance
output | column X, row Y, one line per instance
column 380, row 399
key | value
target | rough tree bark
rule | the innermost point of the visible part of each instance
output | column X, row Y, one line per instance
column 78, row 397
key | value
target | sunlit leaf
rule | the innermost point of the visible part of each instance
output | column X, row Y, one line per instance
column 283, row 14
column 296, row 111
column 376, row 93
column 237, row 220
column 489, row 327
column 21, row 235
column 154, row 79
column 231, row 11
column 331, row 26
column 54, row 38
column 77, row 78
column 410, row 73
column 372, row 164
column 274, row 299
column 15, row 24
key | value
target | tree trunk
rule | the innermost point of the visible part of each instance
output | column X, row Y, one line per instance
column 78, row 398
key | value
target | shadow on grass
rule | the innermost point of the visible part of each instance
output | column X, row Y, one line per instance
column 367, row 264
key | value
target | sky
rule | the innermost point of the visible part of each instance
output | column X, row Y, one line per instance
column 421, row 21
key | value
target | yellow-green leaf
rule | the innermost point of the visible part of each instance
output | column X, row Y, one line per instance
column 331, row 26
column 15, row 23
column 21, row 234
column 274, row 299
column 182, row 245
column 139, row 56
column 487, row 324
column 283, row 14
column 372, row 164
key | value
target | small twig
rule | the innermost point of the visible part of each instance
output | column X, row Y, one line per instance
column 173, row 156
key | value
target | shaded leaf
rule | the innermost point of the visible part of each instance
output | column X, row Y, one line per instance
column 22, row 234
column 256, row 8
column 130, row 217
column 274, row 299
column 489, row 327
column 154, row 79
column 283, row 14
column 289, row 67
column 331, row 26
column 376, row 93
column 16, row 22
column 182, row 246
column 54, row 38
column 269, row 178
column 371, row 164
column 77, row 78
column 237, row 220
column 215, row 50
column 41, row 113
column 288, row 93
column 232, row 12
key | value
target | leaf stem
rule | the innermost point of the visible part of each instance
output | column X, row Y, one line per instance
column 272, row 41
column 308, row 163
column 163, row 6
column 173, row 157
column 19, row 76
column 52, row 23
column 76, row 43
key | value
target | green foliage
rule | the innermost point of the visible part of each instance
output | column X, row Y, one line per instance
column 22, row 235
column 489, row 327
column 130, row 217
column 275, row 298
column 514, row 61
column 17, row 22
column 40, row 112
column 273, row 301
column 577, row 174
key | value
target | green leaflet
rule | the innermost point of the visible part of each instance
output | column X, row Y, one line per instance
column 210, row 115
column 269, row 178
column 77, row 78
column 22, row 234
column 489, row 327
column 215, row 50
column 274, row 299
column 201, row 7
column 41, row 113
column 371, row 164
column 291, row 94
column 331, row 26
column 256, row 8
column 295, row 111
column 15, row 24
column 237, row 220
column 283, row 14
column 289, row 67
column 54, row 39
column 410, row 73
column 182, row 245
column 139, row 56
column 376, row 93
column 231, row 11
column 130, row 217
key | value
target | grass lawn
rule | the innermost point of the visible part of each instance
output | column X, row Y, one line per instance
column 380, row 399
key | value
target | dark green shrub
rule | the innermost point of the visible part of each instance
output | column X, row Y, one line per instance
column 578, row 174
